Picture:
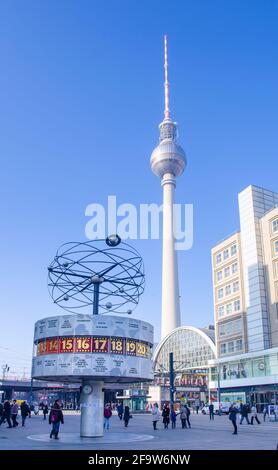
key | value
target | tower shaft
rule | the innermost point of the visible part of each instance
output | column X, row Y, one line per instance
column 170, row 315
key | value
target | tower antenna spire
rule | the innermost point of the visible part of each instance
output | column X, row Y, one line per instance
column 166, row 83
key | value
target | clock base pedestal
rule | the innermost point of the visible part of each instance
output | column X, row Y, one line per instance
column 92, row 405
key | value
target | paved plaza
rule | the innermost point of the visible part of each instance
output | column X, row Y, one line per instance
column 204, row 434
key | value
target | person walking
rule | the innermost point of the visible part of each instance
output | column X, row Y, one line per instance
column 55, row 418
column 107, row 415
column 254, row 414
column 127, row 416
column 232, row 416
column 155, row 415
column 45, row 411
column 265, row 411
column 187, row 415
column 14, row 413
column 166, row 416
column 211, row 411
column 183, row 417
column 173, row 418
column 120, row 410
column 25, row 411
column 244, row 414
column 6, row 414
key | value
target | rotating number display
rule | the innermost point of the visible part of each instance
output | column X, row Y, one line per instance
column 94, row 344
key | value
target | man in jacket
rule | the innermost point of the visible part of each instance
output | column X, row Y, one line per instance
column 232, row 416
column 6, row 414
column 14, row 413
column 244, row 414
column 25, row 411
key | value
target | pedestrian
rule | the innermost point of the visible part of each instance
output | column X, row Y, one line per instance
column 155, row 415
column 265, row 411
column 187, row 415
column 166, row 416
column 6, row 414
column 25, row 411
column 45, row 411
column 211, row 411
column 107, row 415
column 183, row 417
column 55, row 418
column 127, row 416
column 120, row 410
column 244, row 413
column 14, row 413
column 173, row 418
column 254, row 414
column 232, row 416
column 197, row 405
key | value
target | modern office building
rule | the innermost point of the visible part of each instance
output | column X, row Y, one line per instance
column 245, row 285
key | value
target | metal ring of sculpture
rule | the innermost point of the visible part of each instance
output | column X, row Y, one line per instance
column 108, row 276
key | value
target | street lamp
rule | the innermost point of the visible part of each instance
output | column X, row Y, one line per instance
column 5, row 369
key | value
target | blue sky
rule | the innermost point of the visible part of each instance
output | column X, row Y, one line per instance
column 81, row 92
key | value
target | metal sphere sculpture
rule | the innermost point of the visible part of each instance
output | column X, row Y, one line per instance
column 97, row 273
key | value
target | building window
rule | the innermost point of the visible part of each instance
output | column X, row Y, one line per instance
column 276, row 247
column 275, row 226
column 219, row 275
column 229, row 309
column 226, row 254
column 221, row 311
column 276, row 268
column 239, row 345
column 237, row 305
column 227, row 271
column 220, row 293
column 231, row 347
column 233, row 250
column 234, row 268
column 223, row 348
column 218, row 258
column 236, row 286
column 228, row 290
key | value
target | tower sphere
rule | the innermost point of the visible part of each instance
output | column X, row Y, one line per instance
column 168, row 157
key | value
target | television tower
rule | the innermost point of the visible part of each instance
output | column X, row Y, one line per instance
column 168, row 161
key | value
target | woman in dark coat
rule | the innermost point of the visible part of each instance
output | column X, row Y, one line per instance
column 126, row 416
column 166, row 416
column 55, row 418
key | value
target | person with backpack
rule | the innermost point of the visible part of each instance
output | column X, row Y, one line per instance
column 25, row 411
column 55, row 418
column 107, row 415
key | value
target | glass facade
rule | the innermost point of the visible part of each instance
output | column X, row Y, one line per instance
column 260, row 366
column 190, row 348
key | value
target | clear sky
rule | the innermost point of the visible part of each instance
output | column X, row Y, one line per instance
column 81, row 93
